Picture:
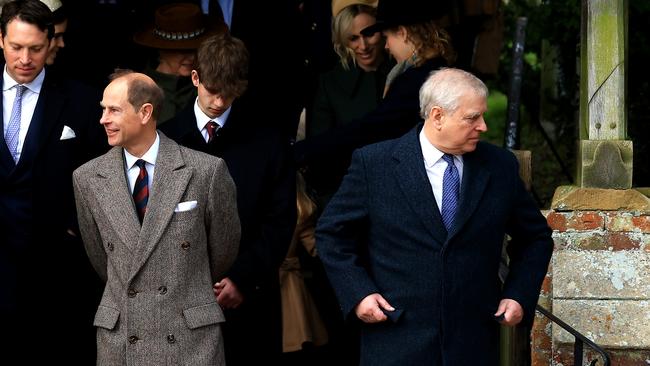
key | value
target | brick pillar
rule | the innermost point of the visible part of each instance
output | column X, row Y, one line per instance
column 599, row 280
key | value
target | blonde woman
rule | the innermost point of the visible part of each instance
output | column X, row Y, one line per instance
column 351, row 89
column 419, row 46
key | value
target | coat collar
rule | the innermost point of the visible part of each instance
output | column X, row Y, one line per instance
column 169, row 183
column 412, row 177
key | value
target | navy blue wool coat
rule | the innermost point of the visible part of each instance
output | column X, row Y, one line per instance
column 382, row 232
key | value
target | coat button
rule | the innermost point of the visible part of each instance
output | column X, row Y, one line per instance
column 109, row 246
column 185, row 245
column 133, row 339
column 132, row 293
column 162, row 290
column 171, row 339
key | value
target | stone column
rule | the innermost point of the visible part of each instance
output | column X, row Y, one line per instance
column 599, row 280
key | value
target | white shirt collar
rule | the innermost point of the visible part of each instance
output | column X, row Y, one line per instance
column 202, row 118
column 34, row 86
column 149, row 157
column 431, row 153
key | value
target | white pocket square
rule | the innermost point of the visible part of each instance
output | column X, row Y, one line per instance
column 67, row 133
column 185, row 206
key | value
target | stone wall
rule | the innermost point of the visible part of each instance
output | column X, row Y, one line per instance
column 599, row 283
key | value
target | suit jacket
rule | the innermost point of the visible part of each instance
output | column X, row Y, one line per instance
column 382, row 232
column 39, row 260
column 258, row 159
column 158, row 306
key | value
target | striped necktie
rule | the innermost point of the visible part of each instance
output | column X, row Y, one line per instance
column 450, row 191
column 141, row 190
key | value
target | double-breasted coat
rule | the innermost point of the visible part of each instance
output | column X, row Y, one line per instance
column 158, row 306
column 382, row 232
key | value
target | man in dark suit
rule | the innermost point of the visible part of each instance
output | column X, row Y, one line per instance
column 412, row 240
column 50, row 126
column 258, row 159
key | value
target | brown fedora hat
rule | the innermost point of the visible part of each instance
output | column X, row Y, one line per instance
column 180, row 26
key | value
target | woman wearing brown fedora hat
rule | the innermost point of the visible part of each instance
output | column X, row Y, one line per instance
column 177, row 31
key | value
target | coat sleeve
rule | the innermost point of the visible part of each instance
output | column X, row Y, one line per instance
column 88, row 228
column 222, row 221
column 342, row 233
column 530, row 250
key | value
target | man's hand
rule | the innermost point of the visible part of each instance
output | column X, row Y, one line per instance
column 228, row 296
column 512, row 312
column 370, row 308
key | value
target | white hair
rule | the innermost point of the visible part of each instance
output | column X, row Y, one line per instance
column 444, row 87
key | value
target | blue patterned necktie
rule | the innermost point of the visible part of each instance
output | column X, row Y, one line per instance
column 13, row 128
column 450, row 190
column 141, row 190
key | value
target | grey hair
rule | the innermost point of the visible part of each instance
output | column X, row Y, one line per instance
column 445, row 86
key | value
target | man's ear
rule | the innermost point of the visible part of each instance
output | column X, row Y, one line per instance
column 195, row 78
column 146, row 113
column 436, row 115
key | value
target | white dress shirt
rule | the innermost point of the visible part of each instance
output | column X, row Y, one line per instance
column 202, row 119
column 30, row 97
column 133, row 170
column 435, row 166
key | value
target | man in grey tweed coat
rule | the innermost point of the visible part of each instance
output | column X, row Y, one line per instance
column 159, row 263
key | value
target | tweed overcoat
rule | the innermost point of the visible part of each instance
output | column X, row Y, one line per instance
column 382, row 232
column 158, row 306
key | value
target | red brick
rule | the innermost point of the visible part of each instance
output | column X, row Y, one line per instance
column 557, row 221
column 547, row 285
column 587, row 220
column 622, row 241
column 629, row 357
column 625, row 221
column 540, row 359
column 642, row 223
column 563, row 354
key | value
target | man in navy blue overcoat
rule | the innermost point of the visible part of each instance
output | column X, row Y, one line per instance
column 427, row 294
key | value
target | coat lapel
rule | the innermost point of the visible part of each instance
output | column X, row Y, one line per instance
column 170, row 181
column 112, row 191
column 475, row 180
column 412, row 179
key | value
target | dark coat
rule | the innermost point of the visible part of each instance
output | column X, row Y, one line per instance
column 45, row 276
column 342, row 97
column 445, row 287
column 258, row 159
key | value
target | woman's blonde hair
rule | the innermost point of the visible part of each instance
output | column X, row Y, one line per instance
column 341, row 24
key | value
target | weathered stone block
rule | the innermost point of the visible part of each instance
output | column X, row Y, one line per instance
column 605, row 164
column 573, row 198
column 601, row 274
column 609, row 323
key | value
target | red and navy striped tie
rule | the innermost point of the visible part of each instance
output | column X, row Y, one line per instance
column 141, row 190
